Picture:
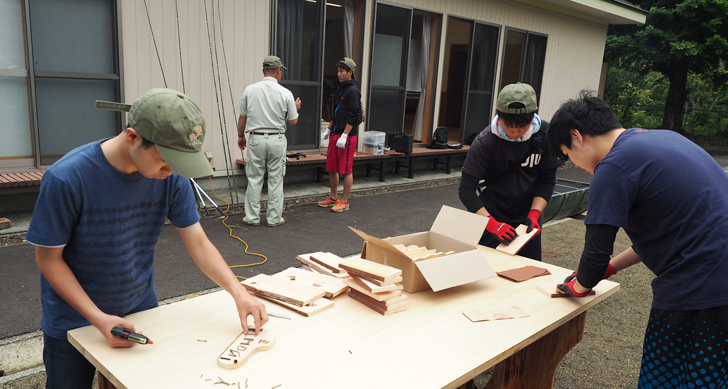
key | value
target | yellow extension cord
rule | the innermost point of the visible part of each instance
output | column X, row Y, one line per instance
column 265, row 259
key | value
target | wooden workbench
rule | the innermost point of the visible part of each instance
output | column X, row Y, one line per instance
column 430, row 345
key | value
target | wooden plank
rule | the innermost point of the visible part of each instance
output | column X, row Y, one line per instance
column 328, row 260
column 306, row 260
column 395, row 280
column 5, row 181
column 331, row 285
column 550, row 290
column 370, row 270
column 384, row 304
column 374, row 288
column 313, row 308
column 518, row 243
column 377, row 296
column 244, row 346
column 282, row 290
column 399, row 307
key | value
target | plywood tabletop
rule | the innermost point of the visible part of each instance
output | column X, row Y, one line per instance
column 430, row 345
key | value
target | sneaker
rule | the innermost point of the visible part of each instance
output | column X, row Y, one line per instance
column 245, row 220
column 283, row 220
column 340, row 206
column 329, row 202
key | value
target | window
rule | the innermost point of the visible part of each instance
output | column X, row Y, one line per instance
column 523, row 59
column 56, row 59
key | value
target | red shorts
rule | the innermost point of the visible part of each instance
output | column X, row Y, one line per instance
column 340, row 160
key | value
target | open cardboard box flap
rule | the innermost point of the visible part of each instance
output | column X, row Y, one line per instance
column 450, row 222
column 454, row 230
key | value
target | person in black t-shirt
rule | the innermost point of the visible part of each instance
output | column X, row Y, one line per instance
column 519, row 171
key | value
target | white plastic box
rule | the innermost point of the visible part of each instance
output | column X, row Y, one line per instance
column 374, row 142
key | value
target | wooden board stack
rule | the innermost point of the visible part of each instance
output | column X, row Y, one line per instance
column 323, row 263
column 417, row 253
column 376, row 286
column 302, row 299
column 330, row 285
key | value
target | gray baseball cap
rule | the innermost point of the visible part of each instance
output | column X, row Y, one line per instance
column 273, row 62
column 517, row 93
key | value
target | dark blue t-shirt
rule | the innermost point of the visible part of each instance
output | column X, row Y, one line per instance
column 108, row 223
column 671, row 198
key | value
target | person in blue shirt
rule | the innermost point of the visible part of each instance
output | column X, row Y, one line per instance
column 99, row 214
column 671, row 198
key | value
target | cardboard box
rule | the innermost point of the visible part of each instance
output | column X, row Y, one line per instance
column 453, row 230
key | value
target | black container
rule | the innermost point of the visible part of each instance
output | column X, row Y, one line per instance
column 399, row 141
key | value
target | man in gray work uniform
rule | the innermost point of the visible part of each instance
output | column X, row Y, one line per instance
column 264, row 109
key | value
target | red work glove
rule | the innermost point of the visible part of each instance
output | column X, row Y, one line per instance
column 504, row 232
column 568, row 289
column 610, row 272
column 532, row 221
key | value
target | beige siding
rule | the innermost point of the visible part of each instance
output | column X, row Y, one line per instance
column 573, row 57
column 243, row 27
column 574, row 50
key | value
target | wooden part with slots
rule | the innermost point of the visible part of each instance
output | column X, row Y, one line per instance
column 244, row 346
column 371, row 270
column 280, row 289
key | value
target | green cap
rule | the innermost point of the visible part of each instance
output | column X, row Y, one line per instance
column 348, row 62
column 517, row 93
column 272, row 62
column 174, row 123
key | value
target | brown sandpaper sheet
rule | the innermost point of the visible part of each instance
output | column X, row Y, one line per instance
column 523, row 273
column 512, row 312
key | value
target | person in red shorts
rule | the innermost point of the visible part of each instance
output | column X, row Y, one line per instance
column 343, row 130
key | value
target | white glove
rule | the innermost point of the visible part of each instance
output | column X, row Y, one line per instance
column 341, row 143
column 326, row 134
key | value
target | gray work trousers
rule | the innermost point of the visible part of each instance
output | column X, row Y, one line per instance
column 265, row 153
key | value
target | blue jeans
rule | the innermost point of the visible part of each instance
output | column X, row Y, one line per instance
column 532, row 249
column 66, row 368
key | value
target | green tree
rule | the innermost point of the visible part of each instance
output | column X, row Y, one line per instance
column 678, row 38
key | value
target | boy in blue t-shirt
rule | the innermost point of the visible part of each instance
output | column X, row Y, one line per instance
column 671, row 198
column 99, row 215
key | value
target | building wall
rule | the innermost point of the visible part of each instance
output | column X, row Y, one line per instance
column 573, row 57
column 243, row 27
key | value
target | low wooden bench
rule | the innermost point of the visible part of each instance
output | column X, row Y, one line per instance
column 376, row 162
column 318, row 161
column 20, row 181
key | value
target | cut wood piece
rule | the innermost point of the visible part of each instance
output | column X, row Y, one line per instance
column 328, row 260
column 374, row 288
column 315, row 307
column 399, row 307
column 371, row 270
column 520, row 241
column 428, row 256
column 523, row 273
column 280, row 289
column 331, row 285
column 395, row 280
column 377, row 296
column 384, row 304
column 306, row 260
column 550, row 290
column 244, row 346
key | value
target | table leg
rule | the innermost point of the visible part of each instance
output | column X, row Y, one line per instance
column 103, row 382
column 535, row 366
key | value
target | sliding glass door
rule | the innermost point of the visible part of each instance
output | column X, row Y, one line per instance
column 481, row 78
column 388, row 77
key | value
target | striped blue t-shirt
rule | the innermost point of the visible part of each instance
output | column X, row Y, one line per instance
column 108, row 224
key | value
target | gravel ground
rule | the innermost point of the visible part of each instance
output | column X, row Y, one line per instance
column 610, row 353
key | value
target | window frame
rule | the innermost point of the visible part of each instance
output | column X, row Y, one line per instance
column 524, row 53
